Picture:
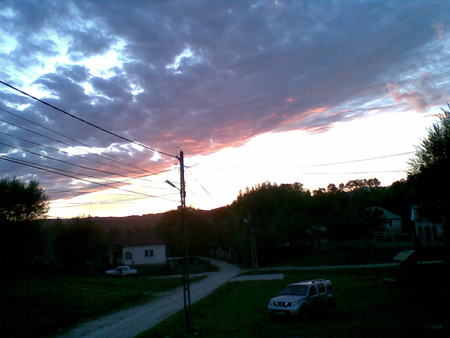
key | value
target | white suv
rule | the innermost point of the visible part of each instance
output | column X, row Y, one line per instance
column 302, row 297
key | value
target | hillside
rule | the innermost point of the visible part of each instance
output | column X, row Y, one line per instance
column 122, row 223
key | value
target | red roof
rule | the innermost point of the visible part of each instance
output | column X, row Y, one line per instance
column 136, row 238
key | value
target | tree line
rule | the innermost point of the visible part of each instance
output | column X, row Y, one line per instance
column 285, row 218
column 30, row 245
column 279, row 218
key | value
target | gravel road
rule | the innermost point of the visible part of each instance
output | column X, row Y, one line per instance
column 132, row 321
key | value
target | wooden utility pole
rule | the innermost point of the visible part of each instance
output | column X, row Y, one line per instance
column 252, row 238
column 186, row 282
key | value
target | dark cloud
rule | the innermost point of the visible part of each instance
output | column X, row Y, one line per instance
column 89, row 43
column 247, row 68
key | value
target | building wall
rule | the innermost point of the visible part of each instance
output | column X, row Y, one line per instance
column 429, row 231
column 393, row 225
column 147, row 254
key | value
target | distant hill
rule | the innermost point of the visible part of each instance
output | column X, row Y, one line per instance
column 122, row 223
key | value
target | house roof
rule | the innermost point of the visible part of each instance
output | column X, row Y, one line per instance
column 386, row 213
column 136, row 238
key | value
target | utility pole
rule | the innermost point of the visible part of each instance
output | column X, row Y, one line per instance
column 252, row 238
column 186, row 283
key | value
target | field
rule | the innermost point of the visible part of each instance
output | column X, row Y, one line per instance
column 43, row 305
column 369, row 304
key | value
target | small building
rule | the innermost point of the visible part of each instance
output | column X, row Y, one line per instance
column 427, row 232
column 392, row 223
column 136, row 248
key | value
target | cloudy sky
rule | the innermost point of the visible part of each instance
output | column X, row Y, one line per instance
column 315, row 92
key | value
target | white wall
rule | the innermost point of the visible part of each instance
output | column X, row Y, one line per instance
column 138, row 254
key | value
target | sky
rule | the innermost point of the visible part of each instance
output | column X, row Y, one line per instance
column 315, row 92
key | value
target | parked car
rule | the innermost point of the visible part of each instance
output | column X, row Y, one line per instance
column 123, row 270
column 303, row 297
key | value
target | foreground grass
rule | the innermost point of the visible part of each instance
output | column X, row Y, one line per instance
column 43, row 305
column 366, row 307
column 343, row 257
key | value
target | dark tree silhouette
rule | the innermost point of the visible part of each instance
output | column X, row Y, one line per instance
column 429, row 171
column 21, row 201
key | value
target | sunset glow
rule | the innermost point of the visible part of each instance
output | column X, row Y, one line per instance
column 284, row 91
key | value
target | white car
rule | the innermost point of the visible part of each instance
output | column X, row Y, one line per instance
column 123, row 270
column 302, row 297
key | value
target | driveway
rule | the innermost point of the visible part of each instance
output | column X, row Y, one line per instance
column 132, row 321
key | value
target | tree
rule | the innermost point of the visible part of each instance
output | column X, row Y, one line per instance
column 21, row 205
column 434, row 151
column 429, row 170
column 21, row 201
column 80, row 246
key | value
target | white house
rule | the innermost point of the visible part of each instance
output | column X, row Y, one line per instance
column 392, row 223
column 136, row 248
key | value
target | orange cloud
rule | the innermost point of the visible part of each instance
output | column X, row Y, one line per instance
column 290, row 100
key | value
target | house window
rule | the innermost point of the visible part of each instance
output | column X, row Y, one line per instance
column 128, row 255
column 149, row 253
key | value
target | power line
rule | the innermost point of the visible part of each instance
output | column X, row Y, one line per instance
column 82, row 179
column 70, row 171
column 58, row 151
column 62, row 161
column 105, row 201
column 190, row 173
column 311, row 165
column 352, row 172
column 87, row 122
column 351, row 161
column 106, row 156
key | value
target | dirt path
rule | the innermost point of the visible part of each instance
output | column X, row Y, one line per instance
column 130, row 322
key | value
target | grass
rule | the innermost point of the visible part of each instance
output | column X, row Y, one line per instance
column 344, row 257
column 43, row 305
column 366, row 307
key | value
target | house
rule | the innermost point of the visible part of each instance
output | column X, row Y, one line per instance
column 392, row 223
column 136, row 248
column 427, row 232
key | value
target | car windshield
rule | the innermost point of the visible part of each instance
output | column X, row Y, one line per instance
column 297, row 290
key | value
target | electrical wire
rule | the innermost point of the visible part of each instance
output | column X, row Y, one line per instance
column 87, row 122
column 352, row 172
column 201, row 185
column 350, row 161
column 102, row 202
column 62, row 161
column 58, row 151
column 71, row 172
column 86, row 158
column 82, row 179
column 105, row 156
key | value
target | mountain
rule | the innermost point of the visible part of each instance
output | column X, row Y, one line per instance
column 122, row 223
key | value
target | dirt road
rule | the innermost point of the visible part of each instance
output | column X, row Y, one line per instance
column 130, row 322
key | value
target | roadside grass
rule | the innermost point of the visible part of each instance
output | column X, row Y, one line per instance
column 44, row 305
column 344, row 257
column 366, row 307
column 347, row 256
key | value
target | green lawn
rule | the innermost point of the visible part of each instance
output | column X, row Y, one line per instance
column 344, row 256
column 366, row 307
column 43, row 305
